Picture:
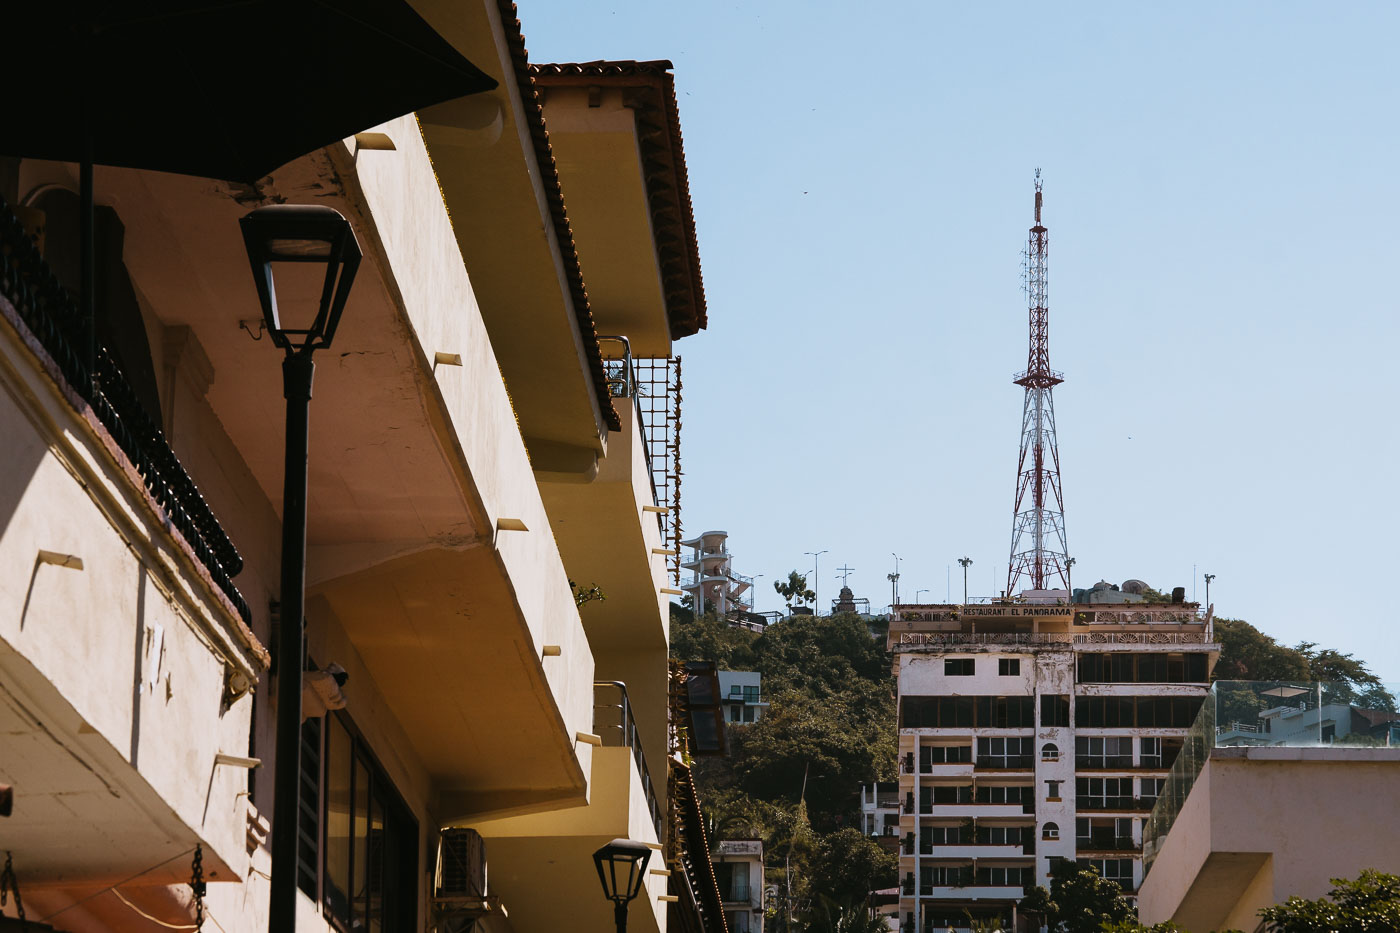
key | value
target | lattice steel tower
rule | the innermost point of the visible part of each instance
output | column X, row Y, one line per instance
column 1038, row 549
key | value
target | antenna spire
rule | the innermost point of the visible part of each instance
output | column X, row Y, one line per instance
column 1039, row 554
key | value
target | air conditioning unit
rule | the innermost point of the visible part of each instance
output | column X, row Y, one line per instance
column 460, row 896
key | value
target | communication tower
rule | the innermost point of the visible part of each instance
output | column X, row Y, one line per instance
column 1039, row 554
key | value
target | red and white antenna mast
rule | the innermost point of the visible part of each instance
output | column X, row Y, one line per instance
column 1038, row 549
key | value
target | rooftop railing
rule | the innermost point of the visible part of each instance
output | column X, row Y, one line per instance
column 51, row 315
column 1294, row 714
column 613, row 721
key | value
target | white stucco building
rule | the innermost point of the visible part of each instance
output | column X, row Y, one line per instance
column 1031, row 731
column 741, row 692
column 714, row 585
column 471, row 453
column 739, row 871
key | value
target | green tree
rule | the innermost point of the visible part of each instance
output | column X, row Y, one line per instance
column 848, row 865
column 709, row 637
column 1248, row 654
column 1370, row 904
column 794, row 590
column 1079, row 901
column 818, row 748
column 820, row 655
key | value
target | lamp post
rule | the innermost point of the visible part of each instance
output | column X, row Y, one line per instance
column 622, row 886
column 966, row 563
column 919, row 596
column 816, row 577
column 754, row 600
column 302, row 235
column 894, row 582
column 1209, row 577
column 1069, row 577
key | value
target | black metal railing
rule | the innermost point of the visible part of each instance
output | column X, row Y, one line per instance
column 52, row 317
column 612, row 719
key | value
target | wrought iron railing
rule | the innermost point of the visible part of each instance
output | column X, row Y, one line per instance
column 51, row 316
column 613, row 721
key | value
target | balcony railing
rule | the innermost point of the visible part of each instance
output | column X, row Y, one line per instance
column 52, row 318
column 612, row 719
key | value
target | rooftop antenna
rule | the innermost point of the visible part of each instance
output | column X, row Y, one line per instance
column 1038, row 549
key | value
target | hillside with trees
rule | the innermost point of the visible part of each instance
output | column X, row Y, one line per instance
column 791, row 778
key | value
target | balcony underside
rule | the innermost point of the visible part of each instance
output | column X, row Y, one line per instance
column 442, row 634
column 539, row 862
column 83, row 814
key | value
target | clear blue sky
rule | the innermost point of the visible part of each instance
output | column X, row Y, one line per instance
column 1221, row 191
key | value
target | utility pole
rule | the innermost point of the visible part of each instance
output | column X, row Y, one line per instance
column 1038, row 548
column 1069, row 581
column 1209, row 577
column 966, row 563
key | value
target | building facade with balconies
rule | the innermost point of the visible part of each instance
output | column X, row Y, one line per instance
column 741, row 692
column 1031, row 732
column 739, row 871
column 477, row 443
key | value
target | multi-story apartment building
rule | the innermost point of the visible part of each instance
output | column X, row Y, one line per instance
column 471, row 452
column 1034, row 730
column 739, row 870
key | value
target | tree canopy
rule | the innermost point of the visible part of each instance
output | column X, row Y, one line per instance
column 1370, row 904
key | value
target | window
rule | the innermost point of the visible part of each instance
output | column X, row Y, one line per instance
column 1150, row 753
column 1052, row 790
column 1005, row 835
column 1117, row 870
column 1002, row 793
column 733, row 881
column 1103, row 712
column 1050, row 831
column 1104, row 793
column 1005, row 712
column 1102, row 752
column 1054, row 710
column 1049, row 752
column 1013, row 752
column 1008, row 876
column 357, row 839
column 1008, row 667
column 1151, row 790
column 958, row 667
column 948, row 793
column 930, row 755
column 737, row 921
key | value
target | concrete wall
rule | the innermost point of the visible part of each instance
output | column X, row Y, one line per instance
column 1263, row 824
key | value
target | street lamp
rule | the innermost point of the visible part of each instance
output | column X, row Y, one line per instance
column 1069, row 577
column 1209, row 577
column 816, row 577
column 307, row 235
column 894, row 582
column 966, row 563
column 621, row 866
column 919, row 597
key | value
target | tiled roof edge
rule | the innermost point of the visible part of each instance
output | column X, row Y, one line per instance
column 667, row 179
column 554, row 194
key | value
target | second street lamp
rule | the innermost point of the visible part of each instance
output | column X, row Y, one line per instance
column 309, row 236
column 622, row 866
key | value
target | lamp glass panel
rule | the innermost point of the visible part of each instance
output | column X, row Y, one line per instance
column 298, row 248
column 297, row 287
